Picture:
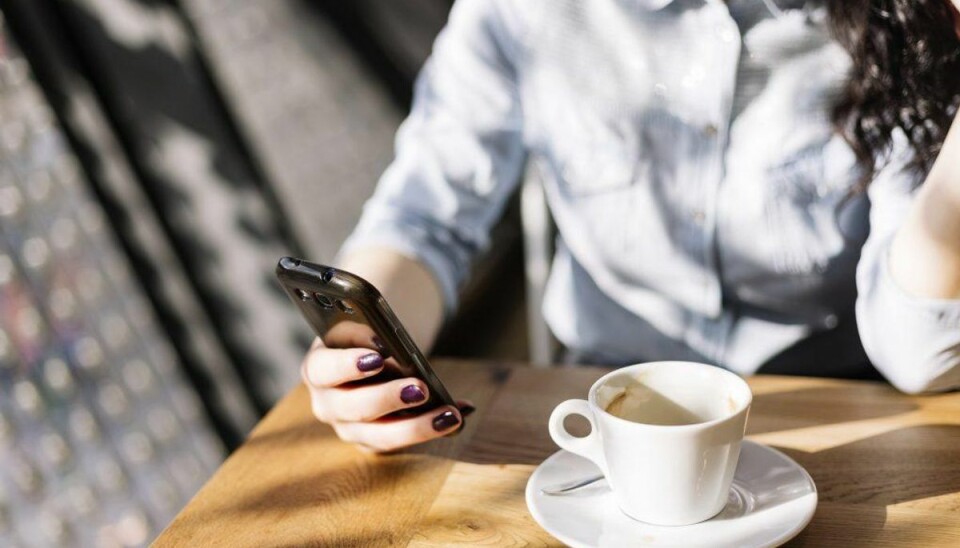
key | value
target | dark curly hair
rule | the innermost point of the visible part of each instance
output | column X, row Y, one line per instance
column 906, row 75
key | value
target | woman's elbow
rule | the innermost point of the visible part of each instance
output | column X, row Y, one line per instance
column 915, row 371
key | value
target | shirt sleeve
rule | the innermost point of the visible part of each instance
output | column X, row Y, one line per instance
column 459, row 154
column 914, row 342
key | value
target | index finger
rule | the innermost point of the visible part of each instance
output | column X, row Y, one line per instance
column 328, row 367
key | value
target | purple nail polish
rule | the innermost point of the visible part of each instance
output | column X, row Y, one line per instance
column 445, row 421
column 412, row 394
column 369, row 362
column 466, row 409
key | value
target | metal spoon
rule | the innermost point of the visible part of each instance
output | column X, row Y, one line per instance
column 566, row 487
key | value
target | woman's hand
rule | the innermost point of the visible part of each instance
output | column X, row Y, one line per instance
column 358, row 411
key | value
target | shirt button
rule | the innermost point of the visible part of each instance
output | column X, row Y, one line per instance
column 711, row 130
column 698, row 216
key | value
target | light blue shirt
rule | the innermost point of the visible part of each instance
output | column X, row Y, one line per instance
column 702, row 197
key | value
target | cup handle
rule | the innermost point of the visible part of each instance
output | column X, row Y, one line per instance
column 588, row 447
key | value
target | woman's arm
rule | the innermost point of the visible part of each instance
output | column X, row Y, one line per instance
column 908, row 279
column 925, row 254
column 412, row 291
column 459, row 156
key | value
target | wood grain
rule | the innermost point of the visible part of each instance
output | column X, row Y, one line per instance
column 482, row 505
column 293, row 483
column 887, row 467
column 515, row 428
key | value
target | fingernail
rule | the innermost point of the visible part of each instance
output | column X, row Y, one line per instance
column 445, row 421
column 370, row 362
column 466, row 409
column 412, row 394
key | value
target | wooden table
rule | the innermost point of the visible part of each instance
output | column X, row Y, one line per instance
column 887, row 467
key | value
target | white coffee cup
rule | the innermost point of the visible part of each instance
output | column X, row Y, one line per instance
column 677, row 472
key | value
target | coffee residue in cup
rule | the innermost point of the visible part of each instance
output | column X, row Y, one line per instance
column 640, row 403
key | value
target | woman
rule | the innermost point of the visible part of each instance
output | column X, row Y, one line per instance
column 728, row 187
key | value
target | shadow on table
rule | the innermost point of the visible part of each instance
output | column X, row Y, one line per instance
column 514, row 429
column 302, row 432
column 819, row 406
column 514, row 426
column 856, row 483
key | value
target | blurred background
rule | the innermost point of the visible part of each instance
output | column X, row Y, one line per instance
column 156, row 158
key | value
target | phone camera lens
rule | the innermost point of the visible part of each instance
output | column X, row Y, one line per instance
column 342, row 305
column 327, row 275
column 304, row 296
column 324, row 300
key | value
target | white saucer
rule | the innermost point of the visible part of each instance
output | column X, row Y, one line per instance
column 772, row 499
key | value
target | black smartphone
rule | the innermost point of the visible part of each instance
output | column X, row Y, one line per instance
column 346, row 311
